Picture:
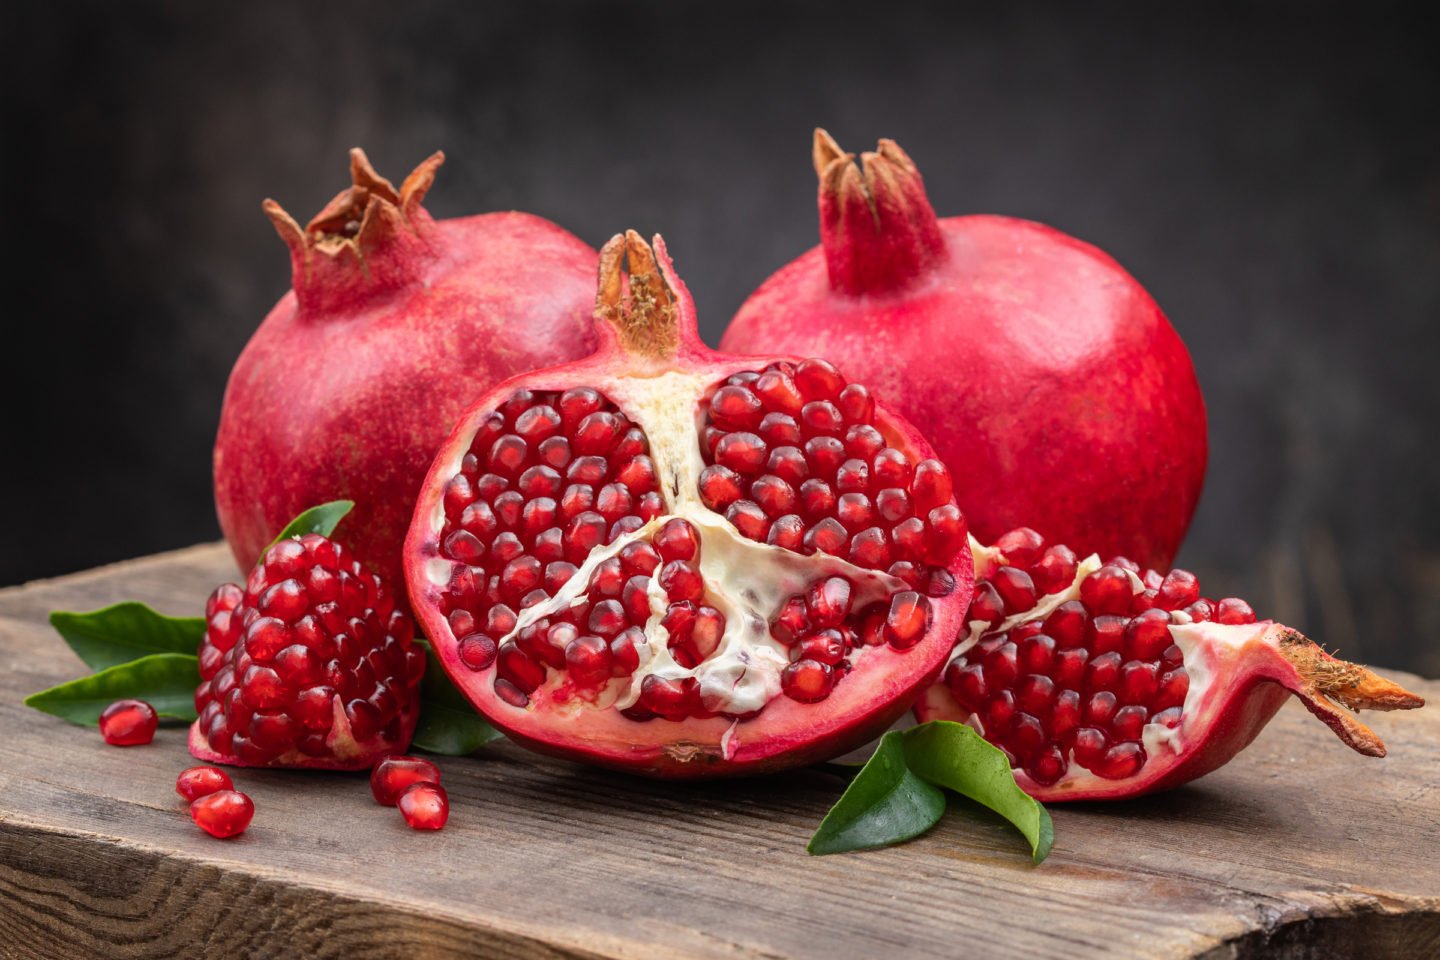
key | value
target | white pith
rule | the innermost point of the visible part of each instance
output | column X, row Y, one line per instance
column 745, row 580
column 1210, row 650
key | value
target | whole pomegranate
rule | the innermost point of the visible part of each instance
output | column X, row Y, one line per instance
column 685, row 563
column 308, row 665
column 1046, row 377
column 1102, row 681
column 395, row 319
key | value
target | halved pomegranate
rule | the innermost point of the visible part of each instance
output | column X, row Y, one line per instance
column 685, row 563
column 1102, row 681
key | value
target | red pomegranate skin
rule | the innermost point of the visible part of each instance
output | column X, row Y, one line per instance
column 357, row 375
column 1044, row 375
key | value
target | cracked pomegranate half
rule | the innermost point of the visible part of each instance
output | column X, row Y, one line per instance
column 681, row 562
column 1102, row 681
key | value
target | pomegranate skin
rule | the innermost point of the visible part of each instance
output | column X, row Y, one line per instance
column 334, row 396
column 1044, row 375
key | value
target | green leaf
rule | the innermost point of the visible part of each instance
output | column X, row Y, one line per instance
column 955, row 756
column 885, row 803
column 448, row 723
column 322, row 520
column 166, row 681
column 122, row 632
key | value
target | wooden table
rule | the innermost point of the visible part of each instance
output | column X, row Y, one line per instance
column 1298, row 848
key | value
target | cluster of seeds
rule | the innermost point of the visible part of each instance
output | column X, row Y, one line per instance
column 1080, row 684
column 796, row 461
column 413, row 785
column 215, row 805
column 310, row 625
column 821, row 632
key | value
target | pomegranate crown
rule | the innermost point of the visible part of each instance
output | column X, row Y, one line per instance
column 641, row 302
column 877, row 227
column 370, row 237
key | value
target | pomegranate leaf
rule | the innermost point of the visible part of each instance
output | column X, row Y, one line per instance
column 886, row 803
column 125, row 631
column 953, row 755
column 448, row 723
column 166, row 681
column 322, row 520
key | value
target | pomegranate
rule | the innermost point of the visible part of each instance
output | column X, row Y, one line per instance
column 424, row 805
column 128, row 723
column 1102, row 681
column 223, row 814
column 683, row 563
column 309, row 665
column 197, row 782
column 1045, row 376
column 336, row 397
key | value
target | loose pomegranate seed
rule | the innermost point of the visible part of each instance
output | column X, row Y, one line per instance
column 224, row 813
column 128, row 723
column 425, row 806
column 197, row 782
column 394, row 774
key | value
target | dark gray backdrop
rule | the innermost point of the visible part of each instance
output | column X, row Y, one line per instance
column 1272, row 174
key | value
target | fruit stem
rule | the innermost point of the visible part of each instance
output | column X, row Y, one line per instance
column 369, row 240
column 641, row 309
column 877, row 227
column 1323, row 679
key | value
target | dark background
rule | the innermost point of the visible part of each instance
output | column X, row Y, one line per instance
column 1272, row 175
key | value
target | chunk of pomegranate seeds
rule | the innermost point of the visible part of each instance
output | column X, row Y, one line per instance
column 424, row 805
column 197, row 782
column 128, row 723
column 223, row 814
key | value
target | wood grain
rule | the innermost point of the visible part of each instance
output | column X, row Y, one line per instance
column 1297, row 848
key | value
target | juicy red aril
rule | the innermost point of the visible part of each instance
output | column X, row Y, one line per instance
column 818, row 380
column 128, row 723
column 224, row 813
column 807, row 681
column 197, row 782
column 425, row 806
column 828, row 602
column 907, row 620
column 393, row 775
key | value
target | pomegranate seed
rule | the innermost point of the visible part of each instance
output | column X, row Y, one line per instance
column 224, row 813
column 828, row 602
column 777, row 390
column 681, row 580
column 1180, row 588
column 607, row 618
column 1234, row 611
column 265, row 637
column 1037, row 653
column 583, row 533
column 1015, row 588
column 998, row 715
column 1001, row 665
column 1139, row 682
column 515, row 666
column 578, row 403
column 779, row 429
column 556, row 453
column 818, row 380
column 507, row 455
column 510, row 693
column 538, row 423
column 945, row 534
column 817, row 500
column 197, row 782
column 1107, row 590
column 719, row 487
column 625, row 651
column 665, row 696
column 1174, row 684
column 1120, row 761
column 1103, row 672
column 967, row 684
column 424, row 805
column 856, row 403
column 637, row 474
column 824, row 454
column 1021, row 547
column 1065, row 714
column 588, row 660
column 863, row 442
column 588, row 470
column 986, row 605
column 855, row 511
column 827, row 536
column 787, row 532
column 852, row 476
column 774, row 496
column 1055, row 570
column 930, row 486
column 1105, row 634
column 893, row 504
column 676, row 540
column 807, row 681
column 826, row 646
column 1200, row 611
column 908, row 619
column 788, row 464
column 870, row 548
column 393, row 775
column 477, row 651
column 576, row 499
column 639, row 557
column 736, row 408
column 745, row 453
column 1047, row 766
column 749, row 519
column 791, row 622
column 1147, row 635
column 597, row 434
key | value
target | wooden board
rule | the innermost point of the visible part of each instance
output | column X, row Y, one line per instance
column 1297, row 848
